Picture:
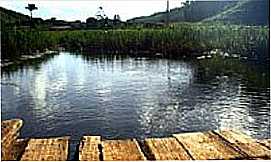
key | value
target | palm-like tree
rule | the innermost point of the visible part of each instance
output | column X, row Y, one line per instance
column 31, row 7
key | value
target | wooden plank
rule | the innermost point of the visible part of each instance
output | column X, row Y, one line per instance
column 266, row 143
column 234, row 136
column 259, row 158
column 9, row 127
column 244, row 143
column 206, row 146
column 51, row 149
column 122, row 150
column 19, row 147
column 166, row 149
column 9, row 133
column 89, row 148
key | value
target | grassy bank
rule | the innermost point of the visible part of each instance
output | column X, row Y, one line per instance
column 175, row 41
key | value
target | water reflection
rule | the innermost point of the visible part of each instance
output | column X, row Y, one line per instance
column 121, row 97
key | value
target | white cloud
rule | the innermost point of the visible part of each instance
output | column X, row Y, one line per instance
column 80, row 10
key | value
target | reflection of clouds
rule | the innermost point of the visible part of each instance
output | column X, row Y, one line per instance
column 39, row 91
column 104, row 90
column 59, row 81
column 49, row 84
column 234, row 117
column 161, row 115
column 59, row 84
column 80, row 74
column 232, row 108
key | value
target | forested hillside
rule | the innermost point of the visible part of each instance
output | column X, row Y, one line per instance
column 248, row 12
column 10, row 18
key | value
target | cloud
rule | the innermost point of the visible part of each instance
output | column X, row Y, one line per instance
column 81, row 10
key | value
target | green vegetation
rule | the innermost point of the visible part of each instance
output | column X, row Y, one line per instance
column 175, row 41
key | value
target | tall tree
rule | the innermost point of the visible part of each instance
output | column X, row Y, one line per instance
column 31, row 7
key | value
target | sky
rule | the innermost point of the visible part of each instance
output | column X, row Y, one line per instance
column 82, row 9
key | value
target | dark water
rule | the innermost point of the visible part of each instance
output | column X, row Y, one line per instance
column 122, row 97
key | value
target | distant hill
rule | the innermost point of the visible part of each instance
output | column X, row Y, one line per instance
column 250, row 12
column 192, row 12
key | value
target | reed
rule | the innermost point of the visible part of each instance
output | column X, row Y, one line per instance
column 177, row 40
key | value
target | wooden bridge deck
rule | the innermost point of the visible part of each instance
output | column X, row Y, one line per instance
column 218, row 145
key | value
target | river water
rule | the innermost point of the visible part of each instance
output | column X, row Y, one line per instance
column 124, row 97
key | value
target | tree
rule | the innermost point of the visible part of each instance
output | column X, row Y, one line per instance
column 31, row 7
column 116, row 19
column 91, row 22
column 100, row 15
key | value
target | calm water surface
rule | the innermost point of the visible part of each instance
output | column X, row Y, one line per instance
column 122, row 97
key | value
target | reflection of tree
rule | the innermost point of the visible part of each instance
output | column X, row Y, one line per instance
column 256, row 75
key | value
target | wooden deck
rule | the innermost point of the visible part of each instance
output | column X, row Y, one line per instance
column 121, row 150
column 166, row 149
column 9, row 133
column 52, row 149
column 210, row 145
column 89, row 148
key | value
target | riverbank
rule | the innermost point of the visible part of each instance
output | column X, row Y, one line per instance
column 210, row 145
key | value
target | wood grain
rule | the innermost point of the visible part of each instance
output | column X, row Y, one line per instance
column 9, row 134
column 245, row 144
column 206, row 146
column 51, row 149
column 89, row 148
column 123, row 150
column 266, row 143
column 166, row 149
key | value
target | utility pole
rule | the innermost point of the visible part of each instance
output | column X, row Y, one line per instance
column 167, row 18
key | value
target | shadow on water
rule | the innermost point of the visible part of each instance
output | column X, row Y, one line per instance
column 256, row 74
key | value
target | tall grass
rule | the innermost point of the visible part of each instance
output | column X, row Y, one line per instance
column 175, row 41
